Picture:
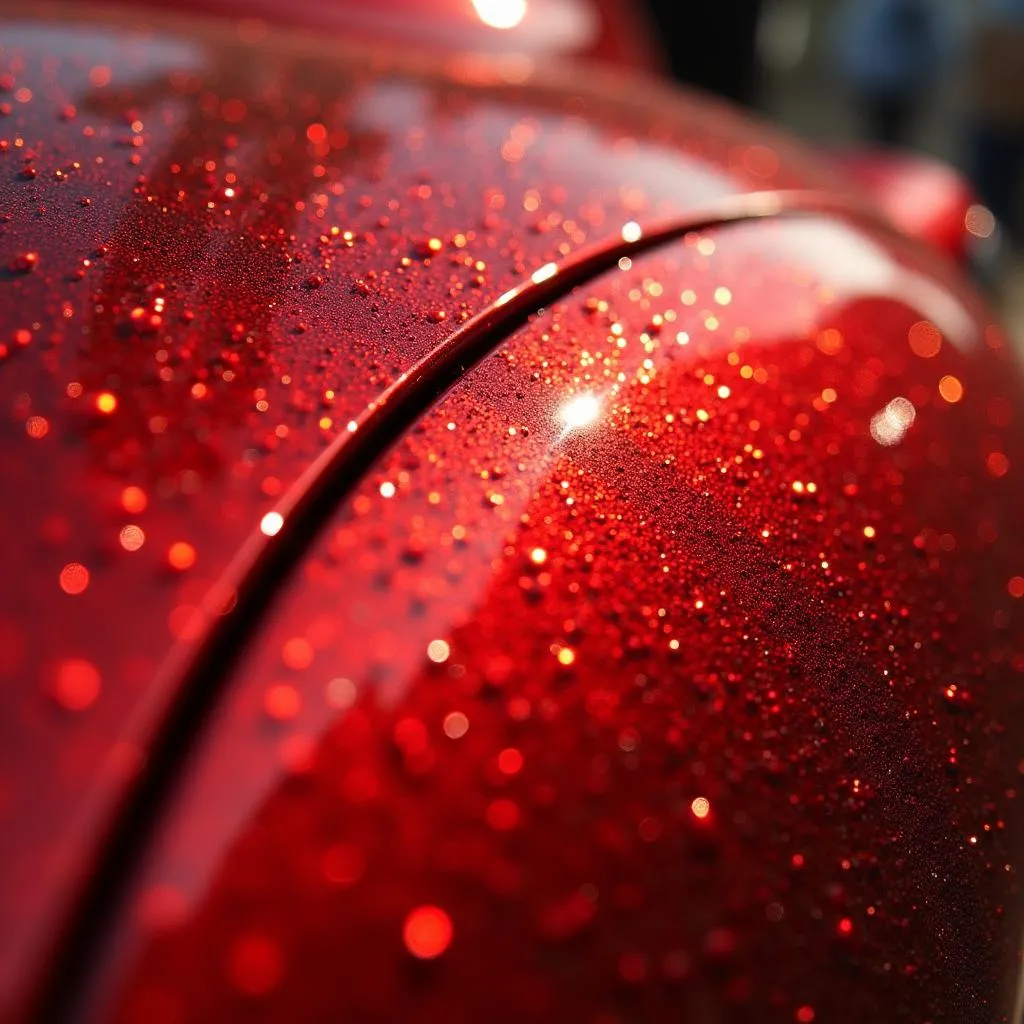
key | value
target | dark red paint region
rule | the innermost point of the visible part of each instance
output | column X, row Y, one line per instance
column 669, row 669
column 217, row 248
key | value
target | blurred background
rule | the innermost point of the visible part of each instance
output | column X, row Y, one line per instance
column 938, row 77
column 811, row 63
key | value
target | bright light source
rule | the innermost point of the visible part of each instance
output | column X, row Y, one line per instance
column 502, row 14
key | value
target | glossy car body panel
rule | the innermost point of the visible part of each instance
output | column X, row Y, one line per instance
column 218, row 250
column 657, row 658
column 222, row 245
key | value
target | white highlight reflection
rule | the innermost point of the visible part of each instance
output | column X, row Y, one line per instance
column 504, row 14
column 271, row 523
column 631, row 231
column 888, row 425
column 579, row 412
column 544, row 273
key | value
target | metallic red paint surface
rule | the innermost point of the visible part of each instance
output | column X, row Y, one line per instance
column 219, row 248
column 667, row 657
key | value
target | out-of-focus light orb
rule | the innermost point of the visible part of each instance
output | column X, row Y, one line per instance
column 74, row 578
column 580, row 412
column 979, row 221
column 132, row 537
column 341, row 693
column 181, row 555
column 456, row 725
column 925, row 339
column 951, row 389
column 271, row 523
column 438, row 651
column 427, row 932
column 890, row 424
column 106, row 402
column 504, row 14
column 631, row 231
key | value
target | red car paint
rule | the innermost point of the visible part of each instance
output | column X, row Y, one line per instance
column 699, row 696
column 923, row 197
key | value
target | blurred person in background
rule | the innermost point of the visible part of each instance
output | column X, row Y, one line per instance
column 889, row 56
column 995, row 136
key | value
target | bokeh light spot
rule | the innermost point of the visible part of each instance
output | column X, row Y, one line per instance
column 427, row 932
